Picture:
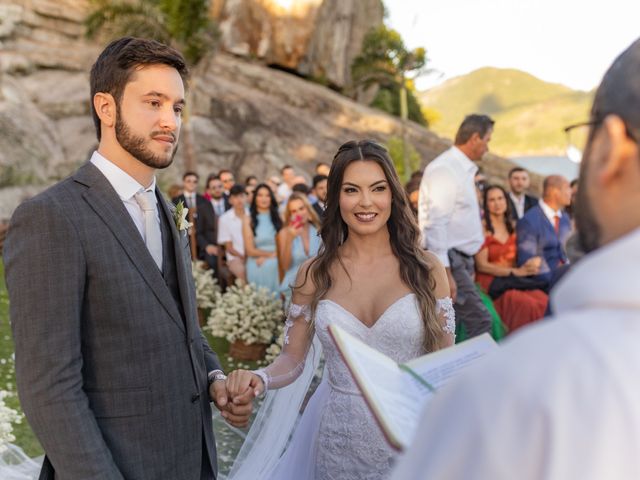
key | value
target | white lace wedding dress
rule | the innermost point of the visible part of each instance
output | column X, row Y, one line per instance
column 337, row 436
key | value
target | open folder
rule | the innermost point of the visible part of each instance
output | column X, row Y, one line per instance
column 397, row 393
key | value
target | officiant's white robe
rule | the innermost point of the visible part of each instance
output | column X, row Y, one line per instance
column 560, row 400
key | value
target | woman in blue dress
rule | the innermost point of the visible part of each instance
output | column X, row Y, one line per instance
column 298, row 240
column 259, row 231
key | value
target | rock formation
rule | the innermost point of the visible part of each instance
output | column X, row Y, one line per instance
column 246, row 116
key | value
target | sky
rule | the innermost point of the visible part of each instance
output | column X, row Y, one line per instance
column 571, row 42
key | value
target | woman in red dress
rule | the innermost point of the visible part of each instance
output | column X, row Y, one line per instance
column 497, row 258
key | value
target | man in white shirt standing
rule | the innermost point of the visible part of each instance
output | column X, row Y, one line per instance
column 561, row 399
column 449, row 217
column 230, row 231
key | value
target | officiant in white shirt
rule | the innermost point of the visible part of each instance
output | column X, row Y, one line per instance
column 561, row 399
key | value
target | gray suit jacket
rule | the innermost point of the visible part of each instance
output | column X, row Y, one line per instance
column 111, row 378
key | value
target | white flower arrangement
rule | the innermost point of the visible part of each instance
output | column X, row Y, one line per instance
column 207, row 288
column 8, row 416
column 246, row 313
column 276, row 347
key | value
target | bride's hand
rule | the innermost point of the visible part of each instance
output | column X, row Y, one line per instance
column 243, row 382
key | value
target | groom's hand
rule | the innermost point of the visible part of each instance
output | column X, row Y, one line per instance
column 235, row 413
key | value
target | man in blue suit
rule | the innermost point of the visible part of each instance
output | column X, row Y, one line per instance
column 544, row 229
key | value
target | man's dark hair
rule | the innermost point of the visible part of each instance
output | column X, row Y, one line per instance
column 474, row 123
column 212, row 176
column 224, row 170
column 517, row 170
column 237, row 189
column 301, row 187
column 190, row 174
column 322, row 164
column 619, row 92
column 317, row 179
column 119, row 61
column 284, row 168
column 573, row 183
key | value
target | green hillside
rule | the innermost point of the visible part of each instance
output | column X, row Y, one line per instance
column 530, row 113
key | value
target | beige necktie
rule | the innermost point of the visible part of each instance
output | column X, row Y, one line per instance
column 152, row 235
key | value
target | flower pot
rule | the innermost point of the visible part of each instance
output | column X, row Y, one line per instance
column 249, row 352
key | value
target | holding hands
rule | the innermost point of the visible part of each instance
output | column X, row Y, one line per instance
column 235, row 407
column 243, row 383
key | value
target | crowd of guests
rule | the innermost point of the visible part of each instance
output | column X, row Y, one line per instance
column 256, row 232
column 503, row 250
column 503, row 247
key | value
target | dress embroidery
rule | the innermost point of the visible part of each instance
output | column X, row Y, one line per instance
column 445, row 305
column 295, row 311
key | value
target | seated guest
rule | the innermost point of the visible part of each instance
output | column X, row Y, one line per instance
column 259, row 231
column 412, row 189
column 323, row 168
column 519, row 201
column 544, row 229
column 206, row 223
column 230, row 232
column 497, row 258
column 319, row 191
column 215, row 195
column 297, row 241
column 251, row 181
column 189, row 196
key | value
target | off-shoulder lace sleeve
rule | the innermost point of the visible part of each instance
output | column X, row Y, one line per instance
column 447, row 316
column 298, row 335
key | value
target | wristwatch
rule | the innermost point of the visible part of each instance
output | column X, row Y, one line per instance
column 216, row 375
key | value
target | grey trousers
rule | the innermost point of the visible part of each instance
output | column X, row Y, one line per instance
column 470, row 311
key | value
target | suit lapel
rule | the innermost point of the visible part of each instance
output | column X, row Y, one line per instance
column 109, row 207
column 182, row 270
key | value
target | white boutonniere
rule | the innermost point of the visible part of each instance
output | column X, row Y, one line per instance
column 180, row 217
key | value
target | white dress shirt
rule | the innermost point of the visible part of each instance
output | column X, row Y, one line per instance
column 448, row 210
column 190, row 199
column 550, row 213
column 218, row 206
column 230, row 230
column 126, row 187
column 560, row 399
column 518, row 203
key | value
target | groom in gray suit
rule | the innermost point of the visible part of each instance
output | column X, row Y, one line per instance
column 113, row 372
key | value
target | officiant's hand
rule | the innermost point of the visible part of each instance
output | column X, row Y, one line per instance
column 236, row 411
column 244, row 384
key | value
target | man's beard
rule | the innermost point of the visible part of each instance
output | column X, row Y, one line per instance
column 136, row 146
column 589, row 231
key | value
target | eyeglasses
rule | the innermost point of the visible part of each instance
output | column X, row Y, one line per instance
column 578, row 136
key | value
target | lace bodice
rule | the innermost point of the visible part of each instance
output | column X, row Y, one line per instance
column 398, row 333
column 350, row 445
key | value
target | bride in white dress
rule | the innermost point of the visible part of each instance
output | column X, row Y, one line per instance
column 372, row 279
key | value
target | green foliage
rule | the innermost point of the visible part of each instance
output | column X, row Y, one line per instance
column 25, row 437
column 530, row 114
column 385, row 61
column 388, row 100
column 184, row 24
column 396, row 149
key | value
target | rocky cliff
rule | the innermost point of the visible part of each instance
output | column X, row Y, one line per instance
column 246, row 116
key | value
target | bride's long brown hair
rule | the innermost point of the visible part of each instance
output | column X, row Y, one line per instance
column 404, row 235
